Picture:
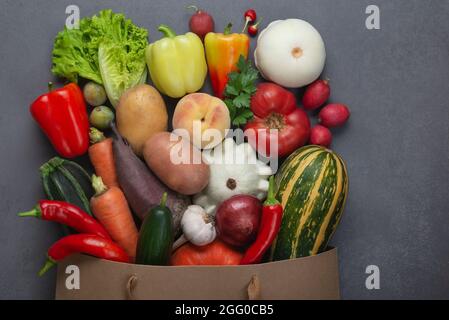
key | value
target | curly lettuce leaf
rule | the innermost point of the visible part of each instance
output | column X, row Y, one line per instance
column 121, row 55
column 72, row 57
column 107, row 48
column 115, row 66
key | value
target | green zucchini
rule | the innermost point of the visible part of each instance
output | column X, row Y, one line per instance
column 67, row 181
column 156, row 236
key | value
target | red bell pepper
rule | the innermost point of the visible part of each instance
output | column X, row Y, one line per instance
column 275, row 108
column 62, row 115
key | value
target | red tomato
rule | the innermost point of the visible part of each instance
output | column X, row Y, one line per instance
column 275, row 108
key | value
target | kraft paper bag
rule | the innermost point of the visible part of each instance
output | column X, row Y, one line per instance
column 85, row 277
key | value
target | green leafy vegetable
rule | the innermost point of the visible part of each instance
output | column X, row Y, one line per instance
column 239, row 89
column 107, row 48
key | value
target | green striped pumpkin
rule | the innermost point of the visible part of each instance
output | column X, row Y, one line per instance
column 312, row 186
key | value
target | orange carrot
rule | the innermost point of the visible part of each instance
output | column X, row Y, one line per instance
column 110, row 207
column 102, row 158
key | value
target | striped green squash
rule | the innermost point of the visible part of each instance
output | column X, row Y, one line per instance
column 312, row 186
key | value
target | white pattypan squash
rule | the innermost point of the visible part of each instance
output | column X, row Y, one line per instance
column 234, row 169
column 290, row 53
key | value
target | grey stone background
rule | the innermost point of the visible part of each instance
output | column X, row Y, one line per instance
column 396, row 145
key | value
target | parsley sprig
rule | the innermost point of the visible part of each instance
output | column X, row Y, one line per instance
column 239, row 89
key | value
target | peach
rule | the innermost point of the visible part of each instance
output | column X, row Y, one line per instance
column 202, row 118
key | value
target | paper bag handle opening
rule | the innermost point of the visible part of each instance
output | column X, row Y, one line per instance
column 130, row 286
column 253, row 288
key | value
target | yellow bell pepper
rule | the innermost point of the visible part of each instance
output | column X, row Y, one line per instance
column 177, row 64
column 223, row 51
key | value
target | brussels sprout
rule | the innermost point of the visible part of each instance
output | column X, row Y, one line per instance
column 94, row 94
column 101, row 117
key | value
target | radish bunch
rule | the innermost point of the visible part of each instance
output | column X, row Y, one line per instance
column 331, row 116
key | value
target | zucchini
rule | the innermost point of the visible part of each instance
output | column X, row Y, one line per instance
column 156, row 236
column 67, row 181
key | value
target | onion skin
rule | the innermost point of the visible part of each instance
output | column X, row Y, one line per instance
column 321, row 136
column 316, row 95
column 237, row 220
column 334, row 115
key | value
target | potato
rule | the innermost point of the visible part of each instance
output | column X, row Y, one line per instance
column 141, row 112
column 177, row 163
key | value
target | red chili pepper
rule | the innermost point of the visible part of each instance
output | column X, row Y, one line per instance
column 67, row 214
column 62, row 115
column 268, row 230
column 83, row 243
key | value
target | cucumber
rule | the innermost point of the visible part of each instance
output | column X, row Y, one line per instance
column 67, row 181
column 156, row 236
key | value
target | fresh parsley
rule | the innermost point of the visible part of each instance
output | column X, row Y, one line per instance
column 239, row 90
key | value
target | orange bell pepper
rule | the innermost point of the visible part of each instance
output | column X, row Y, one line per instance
column 222, row 53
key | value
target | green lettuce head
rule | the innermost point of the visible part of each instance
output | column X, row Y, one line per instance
column 107, row 48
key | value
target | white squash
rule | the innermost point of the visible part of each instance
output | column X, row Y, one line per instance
column 234, row 169
column 290, row 53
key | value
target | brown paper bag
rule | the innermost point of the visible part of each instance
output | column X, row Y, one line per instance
column 84, row 277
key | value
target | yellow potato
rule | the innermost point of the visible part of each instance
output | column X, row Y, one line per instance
column 141, row 113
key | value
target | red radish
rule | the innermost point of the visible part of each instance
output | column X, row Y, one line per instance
column 253, row 29
column 237, row 220
column 334, row 115
column 201, row 22
column 316, row 94
column 321, row 136
column 250, row 16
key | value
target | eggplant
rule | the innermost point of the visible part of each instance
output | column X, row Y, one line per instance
column 142, row 188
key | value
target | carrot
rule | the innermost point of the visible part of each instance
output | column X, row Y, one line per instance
column 110, row 207
column 102, row 157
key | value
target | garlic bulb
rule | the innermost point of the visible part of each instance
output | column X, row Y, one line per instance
column 234, row 169
column 198, row 227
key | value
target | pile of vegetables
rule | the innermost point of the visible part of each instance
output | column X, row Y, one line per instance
column 167, row 198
